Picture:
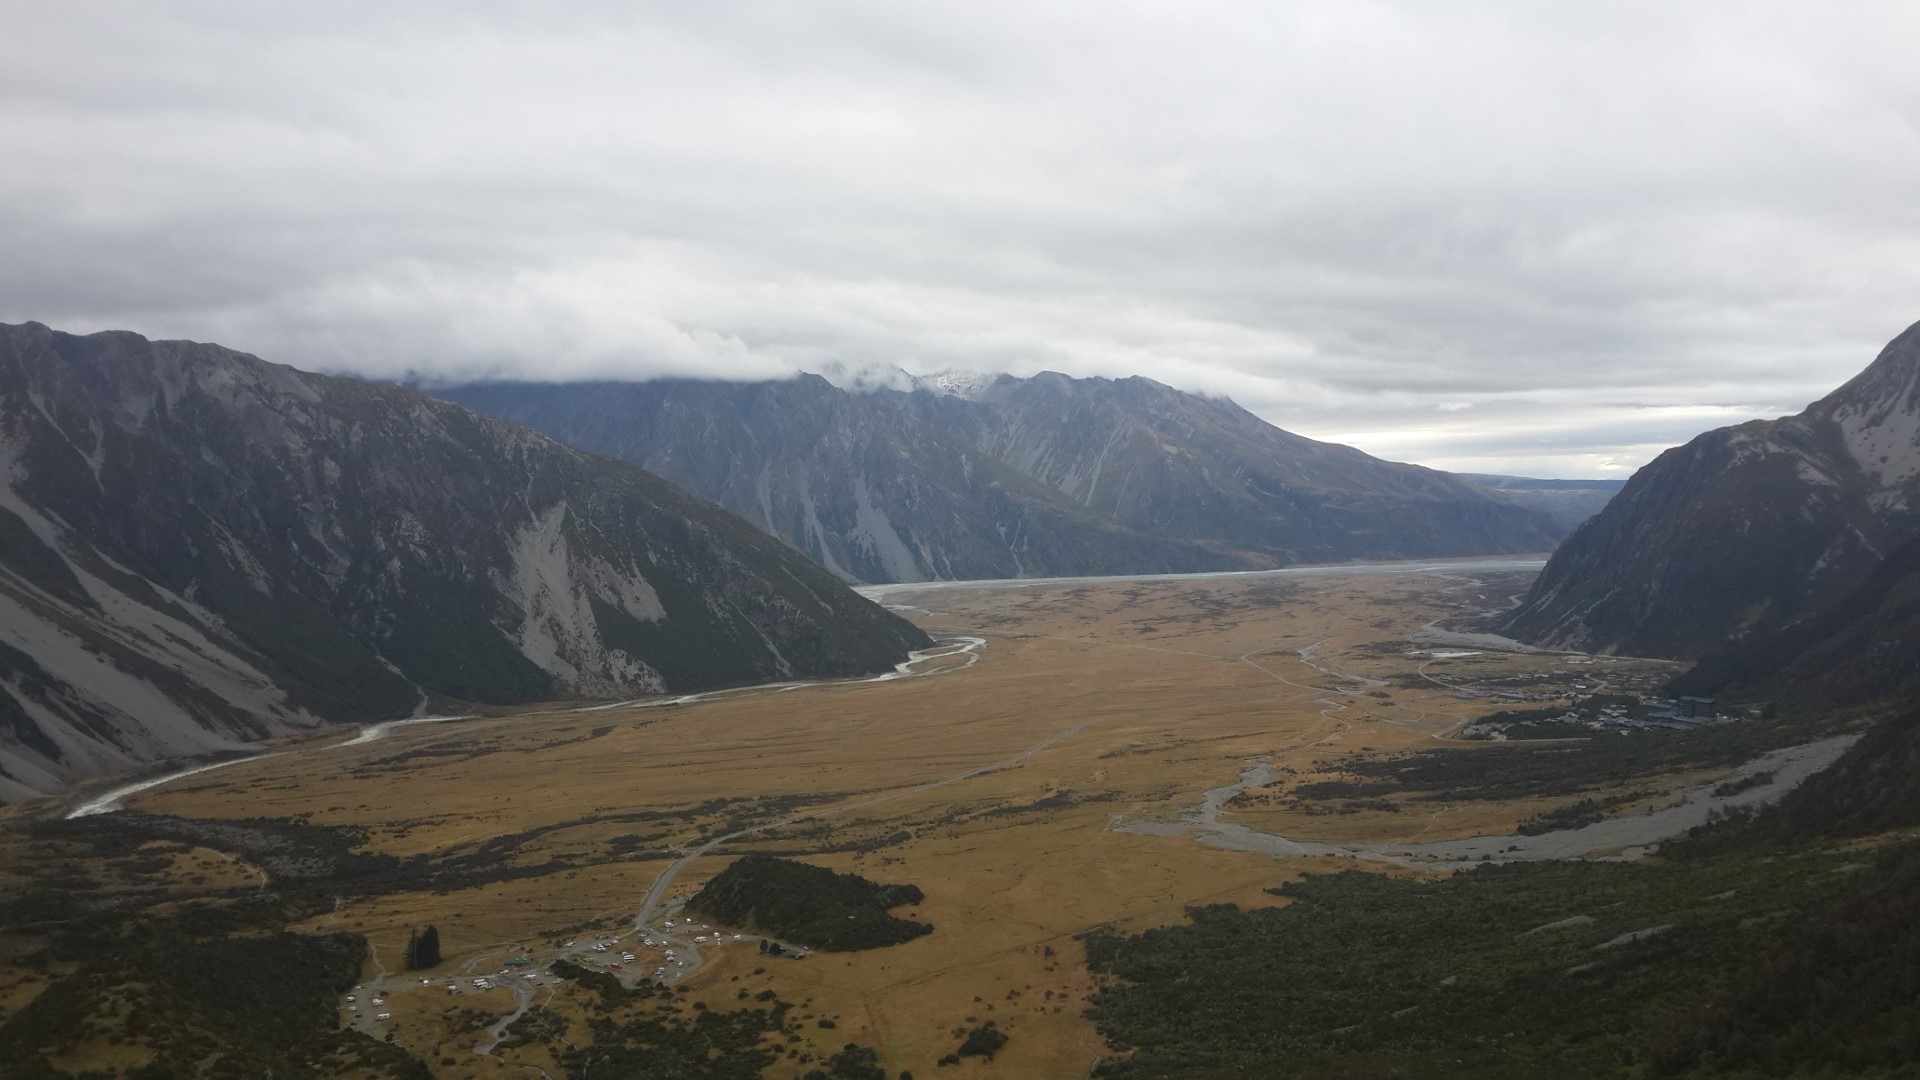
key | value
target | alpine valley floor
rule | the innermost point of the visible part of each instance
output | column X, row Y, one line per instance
column 1035, row 790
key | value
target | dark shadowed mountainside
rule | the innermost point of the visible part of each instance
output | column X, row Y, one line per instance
column 1746, row 531
column 199, row 548
column 1861, row 648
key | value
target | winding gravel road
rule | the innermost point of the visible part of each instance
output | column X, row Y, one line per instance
column 1618, row 838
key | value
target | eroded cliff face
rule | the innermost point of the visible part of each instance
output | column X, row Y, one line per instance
column 199, row 548
column 1020, row 478
column 1746, row 531
column 867, row 491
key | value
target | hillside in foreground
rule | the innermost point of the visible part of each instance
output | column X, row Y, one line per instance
column 1745, row 532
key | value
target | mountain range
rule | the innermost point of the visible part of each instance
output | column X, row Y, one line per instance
column 199, row 548
column 1783, row 554
column 1008, row 477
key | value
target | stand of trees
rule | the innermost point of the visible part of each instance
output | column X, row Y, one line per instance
column 423, row 948
column 808, row 905
column 1756, row 947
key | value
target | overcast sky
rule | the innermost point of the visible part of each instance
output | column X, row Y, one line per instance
column 1528, row 237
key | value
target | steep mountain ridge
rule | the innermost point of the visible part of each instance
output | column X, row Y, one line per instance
column 198, row 548
column 1171, row 463
column 1745, row 531
column 864, row 490
column 1003, row 477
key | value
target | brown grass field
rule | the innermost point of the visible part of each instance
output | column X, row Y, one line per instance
column 1146, row 694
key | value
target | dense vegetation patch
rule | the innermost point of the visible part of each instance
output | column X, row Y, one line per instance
column 1590, row 811
column 1756, row 948
column 1521, row 770
column 1838, row 992
column 1522, row 970
column 223, row 1006
column 611, row 990
column 181, row 976
column 708, row 1045
column 809, row 905
column 982, row 1042
column 851, row 1062
column 303, row 858
column 646, row 1031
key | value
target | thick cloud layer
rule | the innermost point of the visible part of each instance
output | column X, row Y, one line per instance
column 1527, row 237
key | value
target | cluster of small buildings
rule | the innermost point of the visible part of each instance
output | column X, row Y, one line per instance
column 1674, row 714
column 1667, row 714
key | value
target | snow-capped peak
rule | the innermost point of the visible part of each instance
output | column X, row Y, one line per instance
column 969, row 385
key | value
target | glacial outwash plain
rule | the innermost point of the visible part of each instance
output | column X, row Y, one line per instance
column 1077, row 760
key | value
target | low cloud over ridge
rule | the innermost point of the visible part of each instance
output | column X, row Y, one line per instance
column 1501, row 237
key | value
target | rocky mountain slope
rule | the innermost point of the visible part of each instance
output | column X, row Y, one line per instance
column 1175, row 464
column 1021, row 477
column 1862, row 647
column 1746, row 532
column 199, row 548
column 864, row 489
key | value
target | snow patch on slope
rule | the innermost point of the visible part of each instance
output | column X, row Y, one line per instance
column 967, row 385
